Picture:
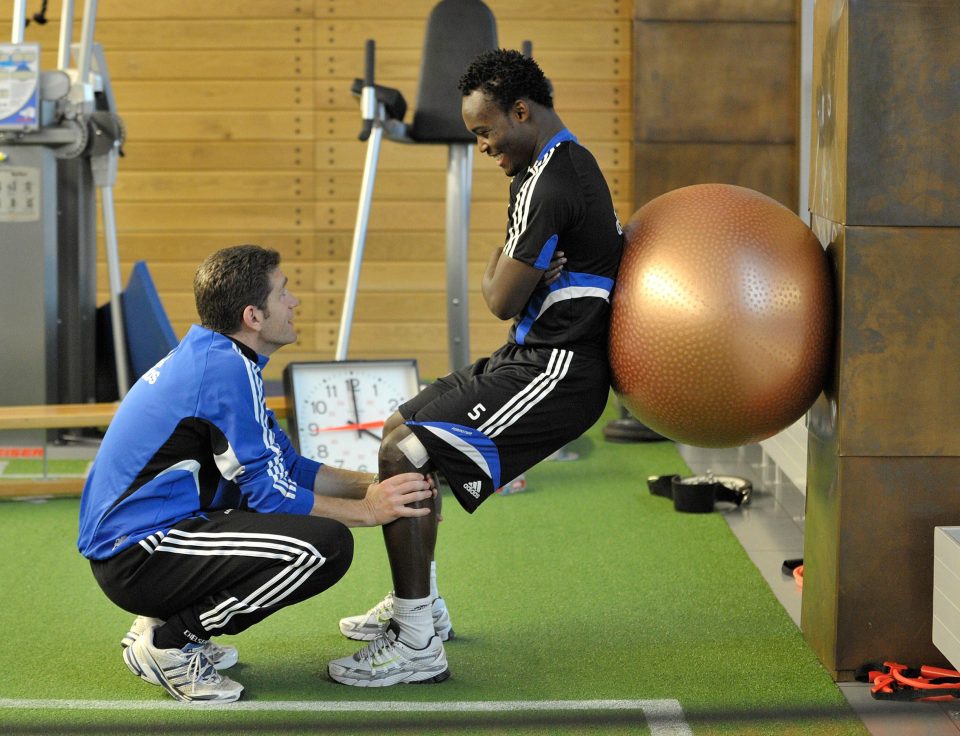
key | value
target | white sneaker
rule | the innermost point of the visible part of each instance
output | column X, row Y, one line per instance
column 221, row 657
column 368, row 626
column 388, row 661
column 185, row 673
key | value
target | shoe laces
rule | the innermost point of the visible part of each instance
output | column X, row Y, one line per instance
column 199, row 669
column 383, row 606
column 376, row 648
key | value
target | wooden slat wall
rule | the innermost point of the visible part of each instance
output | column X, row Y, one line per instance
column 241, row 128
column 716, row 95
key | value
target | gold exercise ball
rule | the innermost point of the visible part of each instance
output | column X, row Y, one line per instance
column 722, row 316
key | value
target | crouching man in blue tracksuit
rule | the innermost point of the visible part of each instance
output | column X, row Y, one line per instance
column 198, row 515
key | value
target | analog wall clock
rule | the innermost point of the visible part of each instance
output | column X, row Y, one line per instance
column 336, row 409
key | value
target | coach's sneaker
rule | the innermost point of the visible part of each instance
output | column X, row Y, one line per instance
column 221, row 657
column 185, row 673
column 368, row 626
column 388, row 661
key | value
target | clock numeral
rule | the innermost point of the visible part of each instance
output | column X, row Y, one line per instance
column 313, row 428
column 331, row 391
column 394, row 404
column 319, row 407
column 320, row 452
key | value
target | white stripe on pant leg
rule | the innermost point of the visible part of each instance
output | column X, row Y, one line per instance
column 281, row 586
column 248, row 539
column 305, row 559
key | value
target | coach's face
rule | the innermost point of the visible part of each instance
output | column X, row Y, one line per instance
column 276, row 324
column 508, row 136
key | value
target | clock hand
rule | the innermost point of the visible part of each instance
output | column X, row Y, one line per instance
column 359, row 426
column 356, row 410
column 366, row 431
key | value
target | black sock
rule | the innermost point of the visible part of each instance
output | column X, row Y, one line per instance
column 169, row 637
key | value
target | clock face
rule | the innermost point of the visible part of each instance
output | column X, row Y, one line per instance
column 338, row 408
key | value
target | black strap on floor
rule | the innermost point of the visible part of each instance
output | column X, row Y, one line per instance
column 698, row 494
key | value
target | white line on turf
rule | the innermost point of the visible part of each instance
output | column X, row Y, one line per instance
column 664, row 717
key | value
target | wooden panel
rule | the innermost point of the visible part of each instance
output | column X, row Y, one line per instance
column 503, row 10
column 896, row 378
column 715, row 10
column 190, row 11
column 888, row 154
column 213, row 64
column 828, row 145
column 396, row 186
column 404, row 64
column 349, row 33
column 575, row 94
column 213, row 186
column 238, row 124
column 213, row 217
column 220, row 96
column 718, row 93
column 613, row 156
column 183, row 154
column 413, row 215
column 255, row 64
column 587, row 126
column 241, row 128
column 166, row 34
column 326, row 278
column 860, row 606
column 382, row 245
column 190, row 247
column 661, row 167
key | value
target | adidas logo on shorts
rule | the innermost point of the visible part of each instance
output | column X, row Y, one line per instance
column 473, row 488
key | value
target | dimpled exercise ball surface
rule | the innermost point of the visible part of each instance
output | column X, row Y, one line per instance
column 722, row 316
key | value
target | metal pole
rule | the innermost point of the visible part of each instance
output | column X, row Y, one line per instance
column 86, row 41
column 359, row 237
column 19, row 21
column 459, row 172
column 66, row 35
column 113, row 271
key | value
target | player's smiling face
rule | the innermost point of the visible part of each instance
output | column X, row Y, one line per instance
column 507, row 137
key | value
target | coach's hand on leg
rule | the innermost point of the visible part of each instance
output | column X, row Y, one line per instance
column 388, row 500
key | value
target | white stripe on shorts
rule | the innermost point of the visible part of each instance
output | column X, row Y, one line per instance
column 531, row 395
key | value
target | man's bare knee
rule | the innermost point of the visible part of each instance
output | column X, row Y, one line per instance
column 395, row 420
column 401, row 451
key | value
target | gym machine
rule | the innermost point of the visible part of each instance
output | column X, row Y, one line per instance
column 457, row 31
column 60, row 139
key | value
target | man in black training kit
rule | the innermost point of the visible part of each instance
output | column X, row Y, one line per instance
column 485, row 424
column 198, row 515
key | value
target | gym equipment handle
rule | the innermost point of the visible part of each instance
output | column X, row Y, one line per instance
column 368, row 108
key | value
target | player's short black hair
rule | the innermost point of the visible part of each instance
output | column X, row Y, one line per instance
column 505, row 76
column 229, row 281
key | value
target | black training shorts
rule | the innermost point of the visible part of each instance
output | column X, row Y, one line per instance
column 489, row 422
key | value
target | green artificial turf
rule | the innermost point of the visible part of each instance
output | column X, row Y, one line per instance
column 584, row 587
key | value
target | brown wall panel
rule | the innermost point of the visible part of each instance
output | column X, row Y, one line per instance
column 715, row 10
column 716, row 96
column 694, row 82
column 896, row 373
column 662, row 167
